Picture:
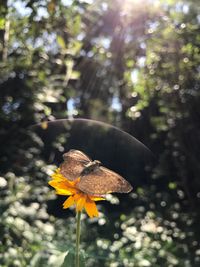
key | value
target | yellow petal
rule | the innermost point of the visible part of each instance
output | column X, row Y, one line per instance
column 80, row 202
column 60, row 185
column 69, row 202
column 57, row 175
column 96, row 198
column 63, row 192
column 91, row 208
column 53, row 183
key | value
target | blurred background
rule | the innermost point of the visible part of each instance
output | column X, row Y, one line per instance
column 133, row 64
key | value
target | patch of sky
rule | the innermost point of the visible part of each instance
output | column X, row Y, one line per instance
column 15, row 46
column 141, row 62
column 90, row 54
column 67, row 2
column 104, row 6
column 86, row 1
column 154, row 2
column 23, row 10
column 71, row 109
column 82, row 53
column 105, row 42
column 182, row 8
column 198, row 19
column 186, row 9
column 134, row 76
column 20, row 6
column 143, row 45
column 128, row 38
column 153, row 26
column 10, row 106
column 70, row 104
column 47, row 41
column 81, row 36
column 41, row 13
column 116, row 105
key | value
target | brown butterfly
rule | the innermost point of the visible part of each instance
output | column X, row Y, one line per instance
column 94, row 178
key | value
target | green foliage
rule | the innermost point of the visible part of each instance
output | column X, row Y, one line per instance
column 69, row 259
column 135, row 65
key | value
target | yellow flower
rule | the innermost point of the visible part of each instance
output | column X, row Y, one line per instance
column 76, row 197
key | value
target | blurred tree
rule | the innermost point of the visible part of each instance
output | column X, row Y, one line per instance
column 135, row 65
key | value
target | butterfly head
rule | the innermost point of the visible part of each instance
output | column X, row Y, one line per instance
column 91, row 167
column 97, row 163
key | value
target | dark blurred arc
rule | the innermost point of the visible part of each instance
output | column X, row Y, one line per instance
column 116, row 149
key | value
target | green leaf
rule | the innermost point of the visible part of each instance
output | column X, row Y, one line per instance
column 69, row 260
column 172, row 185
column 2, row 23
column 76, row 25
column 75, row 75
column 61, row 42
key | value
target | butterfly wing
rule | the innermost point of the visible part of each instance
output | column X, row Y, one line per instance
column 103, row 181
column 74, row 163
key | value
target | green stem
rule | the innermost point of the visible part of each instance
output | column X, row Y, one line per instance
column 78, row 232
